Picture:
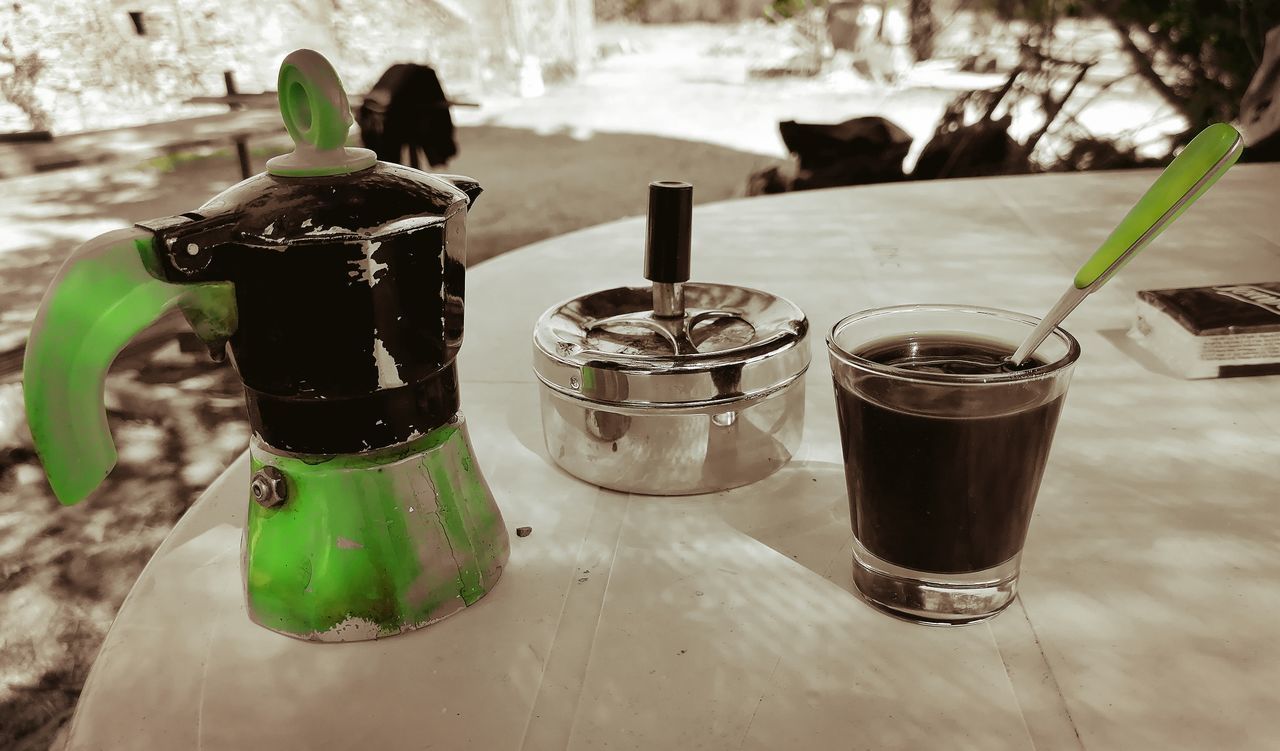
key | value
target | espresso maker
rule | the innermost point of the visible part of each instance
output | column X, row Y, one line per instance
column 335, row 282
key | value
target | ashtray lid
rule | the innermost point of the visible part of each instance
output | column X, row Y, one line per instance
column 732, row 344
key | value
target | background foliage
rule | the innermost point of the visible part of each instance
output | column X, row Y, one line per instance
column 1198, row 55
column 69, row 65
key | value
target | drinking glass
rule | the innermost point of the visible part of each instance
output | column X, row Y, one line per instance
column 943, row 456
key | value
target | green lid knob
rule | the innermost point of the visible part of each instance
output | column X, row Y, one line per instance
column 316, row 114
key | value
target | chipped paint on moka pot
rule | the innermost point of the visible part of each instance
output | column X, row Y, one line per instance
column 336, row 282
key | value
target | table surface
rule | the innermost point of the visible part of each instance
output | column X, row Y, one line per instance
column 1149, row 597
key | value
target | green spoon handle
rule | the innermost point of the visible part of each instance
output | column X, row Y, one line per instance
column 1195, row 170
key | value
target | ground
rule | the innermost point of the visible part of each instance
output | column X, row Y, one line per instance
column 667, row 103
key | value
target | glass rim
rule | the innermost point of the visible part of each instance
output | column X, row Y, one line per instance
column 1039, row 372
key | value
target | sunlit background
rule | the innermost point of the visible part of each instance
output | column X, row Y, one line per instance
column 115, row 111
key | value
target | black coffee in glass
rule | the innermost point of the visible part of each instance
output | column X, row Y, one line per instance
column 944, row 446
column 943, row 477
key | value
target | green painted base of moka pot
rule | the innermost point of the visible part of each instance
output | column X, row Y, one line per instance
column 364, row 546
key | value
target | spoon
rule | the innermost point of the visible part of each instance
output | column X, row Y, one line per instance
column 1207, row 158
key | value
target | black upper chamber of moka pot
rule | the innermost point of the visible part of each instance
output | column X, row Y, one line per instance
column 348, row 276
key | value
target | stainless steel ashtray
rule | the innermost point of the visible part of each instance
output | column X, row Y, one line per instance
column 676, row 388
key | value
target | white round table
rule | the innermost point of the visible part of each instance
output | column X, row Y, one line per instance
column 1151, row 579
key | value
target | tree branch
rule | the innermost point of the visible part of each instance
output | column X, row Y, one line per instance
column 1054, row 107
column 1142, row 65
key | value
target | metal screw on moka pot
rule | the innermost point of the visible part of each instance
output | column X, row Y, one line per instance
column 674, row 388
column 268, row 487
column 337, row 283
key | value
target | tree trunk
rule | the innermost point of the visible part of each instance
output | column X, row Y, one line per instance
column 920, row 15
column 1144, row 66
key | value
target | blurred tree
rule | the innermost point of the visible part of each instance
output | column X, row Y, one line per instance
column 1197, row 54
column 18, row 85
column 54, row 53
column 923, row 30
column 70, row 65
column 791, row 8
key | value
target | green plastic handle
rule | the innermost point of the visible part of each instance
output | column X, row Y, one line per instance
column 313, row 103
column 315, row 110
column 1194, row 171
column 101, row 298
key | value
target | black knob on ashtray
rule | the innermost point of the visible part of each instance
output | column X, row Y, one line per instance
column 666, row 257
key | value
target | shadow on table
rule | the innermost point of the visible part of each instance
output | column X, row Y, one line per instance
column 1151, row 557
column 801, row 512
column 733, row 614
column 1120, row 339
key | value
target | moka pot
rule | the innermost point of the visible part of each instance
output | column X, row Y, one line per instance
column 336, row 282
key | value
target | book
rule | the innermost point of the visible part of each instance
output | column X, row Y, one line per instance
column 1212, row 332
